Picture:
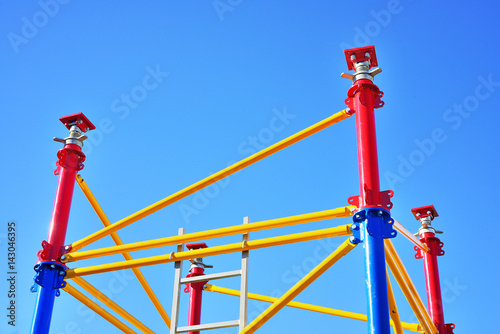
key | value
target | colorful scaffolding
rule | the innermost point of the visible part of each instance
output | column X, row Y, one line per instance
column 372, row 226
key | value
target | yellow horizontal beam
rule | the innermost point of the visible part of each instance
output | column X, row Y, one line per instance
column 97, row 309
column 404, row 281
column 335, row 118
column 342, row 230
column 111, row 304
column 305, row 306
column 294, row 291
column 345, row 211
column 140, row 277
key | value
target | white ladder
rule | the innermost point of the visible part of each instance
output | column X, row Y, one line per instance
column 179, row 280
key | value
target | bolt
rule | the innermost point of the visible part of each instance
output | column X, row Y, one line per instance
column 52, row 266
column 63, row 258
column 418, row 214
column 428, row 212
column 80, row 121
column 380, row 213
column 367, row 55
column 62, row 273
column 357, row 216
column 86, row 128
column 353, row 57
column 67, row 248
column 353, row 240
column 354, row 227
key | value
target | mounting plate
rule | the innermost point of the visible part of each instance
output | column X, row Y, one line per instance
column 80, row 119
column 425, row 211
column 360, row 54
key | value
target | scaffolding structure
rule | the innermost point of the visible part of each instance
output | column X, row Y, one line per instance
column 372, row 225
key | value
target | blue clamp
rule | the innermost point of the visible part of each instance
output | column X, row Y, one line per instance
column 49, row 274
column 375, row 222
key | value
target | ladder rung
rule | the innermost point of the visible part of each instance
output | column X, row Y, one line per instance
column 211, row 277
column 223, row 324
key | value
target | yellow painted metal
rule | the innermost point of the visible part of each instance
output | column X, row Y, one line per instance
column 341, row 212
column 399, row 272
column 304, row 306
column 111, row 304
column 342, row 230
column 342, row 250
column 393, row 308
column 140, row 277
column 97, row 309
column 335, row 118
column 401, row 229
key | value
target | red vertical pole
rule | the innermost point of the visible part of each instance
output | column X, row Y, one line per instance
column 196, row 289
column 428, row 236
column 195, row 294
column 50, row 271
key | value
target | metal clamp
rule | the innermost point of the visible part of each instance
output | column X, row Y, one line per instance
column 49, row 274
column 365, row 218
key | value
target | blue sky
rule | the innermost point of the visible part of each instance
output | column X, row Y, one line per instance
column 178, row 90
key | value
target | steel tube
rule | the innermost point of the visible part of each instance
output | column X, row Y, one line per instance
column 434, row 298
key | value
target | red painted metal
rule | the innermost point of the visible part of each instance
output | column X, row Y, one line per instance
column 364, row 96
column 195, row 289
column 70, row 161
column 195, row 295
column 360, row 55
column 431, row 269
column 434, row 298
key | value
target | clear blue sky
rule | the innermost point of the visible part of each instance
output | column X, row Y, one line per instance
column 230, row 77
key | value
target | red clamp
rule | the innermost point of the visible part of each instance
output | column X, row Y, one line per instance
column 425, row 211
column 384, row 200
column 449, row 328
column 363, row 53
column 437, row 247
column 70, row 156
column 44, row 253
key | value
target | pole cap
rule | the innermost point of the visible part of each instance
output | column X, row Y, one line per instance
column 425, row 211
column 79, row 119
column 357, row 55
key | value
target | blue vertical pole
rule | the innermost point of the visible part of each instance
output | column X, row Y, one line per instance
column 49, row 278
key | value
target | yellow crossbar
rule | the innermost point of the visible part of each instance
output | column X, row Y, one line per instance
column 341, row 212
column 97, row 309
column 399, row 272
column 281, row 302
column 111, row 304
column 393, row 308
column 140, row 277
column 309, row 307
column 335, row 118
column 342, row 230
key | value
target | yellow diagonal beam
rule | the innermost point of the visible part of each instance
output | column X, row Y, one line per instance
column 97, row 309
column 335, row 118
column 341, row 212
column 140, row 277
column 309, row 307
column 393, row 308
column 399, row 272
column 342, row 230
column 342, row 250
column 111, row 304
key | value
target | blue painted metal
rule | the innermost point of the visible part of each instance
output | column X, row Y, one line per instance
column 49, row 278
column 371, row 226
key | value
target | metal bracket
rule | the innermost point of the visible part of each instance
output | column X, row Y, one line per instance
column 356, row 55
column 449, row 328
column 62, row 154
column 384, row 199
column 377, row 102
column 51, row 273
column 366, row 216
column 427, row 240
